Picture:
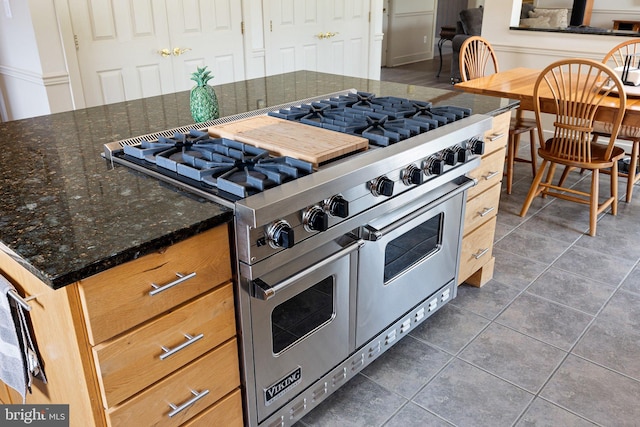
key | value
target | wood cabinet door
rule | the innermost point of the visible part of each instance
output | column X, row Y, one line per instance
column 120, row 46
column 315, row 35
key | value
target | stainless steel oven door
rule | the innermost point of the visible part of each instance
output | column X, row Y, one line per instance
column 408, row 255
column 302, row 322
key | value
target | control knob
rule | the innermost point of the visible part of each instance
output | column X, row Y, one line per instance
column 434, row 165
column 476, row 146
column 315, row 219
column 412, row 175
column 280, row 235
column 464, row 154
column 381, row 186
column 337, row 206
column 450, row 156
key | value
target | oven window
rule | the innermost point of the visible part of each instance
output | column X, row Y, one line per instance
column 412, row 247
column 302, row 314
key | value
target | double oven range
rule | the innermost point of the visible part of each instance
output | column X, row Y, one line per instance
column 335, row 262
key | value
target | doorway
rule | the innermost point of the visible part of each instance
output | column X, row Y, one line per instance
column 430, row 15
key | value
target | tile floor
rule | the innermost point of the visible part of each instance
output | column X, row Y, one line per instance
column 552, row 340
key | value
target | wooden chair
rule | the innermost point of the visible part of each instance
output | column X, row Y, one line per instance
column 615, row 58
column 478, row 59
column 574, row 88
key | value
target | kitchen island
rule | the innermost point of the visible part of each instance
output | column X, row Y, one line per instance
column 79, row 234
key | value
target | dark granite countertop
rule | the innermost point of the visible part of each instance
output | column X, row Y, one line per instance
column 582, row 29
column 66, row 214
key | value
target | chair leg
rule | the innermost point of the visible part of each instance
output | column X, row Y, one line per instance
column 549, row 179
column 511, row 155
column 565, row 174
column 633, row 164
column 614, row 188
column 532, row 146
column 593, row 205
column 533, row 190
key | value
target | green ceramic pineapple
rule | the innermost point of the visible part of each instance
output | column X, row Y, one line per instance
column 204, row 102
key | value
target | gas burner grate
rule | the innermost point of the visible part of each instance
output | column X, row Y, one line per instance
column 230, row 166
column 382, row 120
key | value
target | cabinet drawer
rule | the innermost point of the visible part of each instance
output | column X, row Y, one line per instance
column 131, row 362
column 227, row 412
column 477, row 249
column 119, row 299
column 215, row 374
column 497, row 137
column 488, row 173
column 481, row 208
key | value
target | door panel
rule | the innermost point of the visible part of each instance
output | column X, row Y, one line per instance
column 211, row 34
column 119, row 45
column 293, row 42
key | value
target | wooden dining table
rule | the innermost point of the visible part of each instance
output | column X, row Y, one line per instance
column 518, row 83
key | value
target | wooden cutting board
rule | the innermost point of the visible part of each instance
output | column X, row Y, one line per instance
column 287, row 138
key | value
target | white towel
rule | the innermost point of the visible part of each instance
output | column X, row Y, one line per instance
column 19, row 361
column 12, row 363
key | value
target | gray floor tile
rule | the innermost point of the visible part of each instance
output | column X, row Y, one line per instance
column 544, row 414
column 467, row 396
column 617, row 236
column 595, row 393
column 502, row 230
column 407, row 366
column 450, row 329
column 549, row 224
column 533, row 246
column 515, row 270
column 596, row 265
column 360, row 402
column 613, row 340
column 514, row 357
column 545, row 320
column 487, row 301
column 570, row 289
column 632, row 282
column 413, row 415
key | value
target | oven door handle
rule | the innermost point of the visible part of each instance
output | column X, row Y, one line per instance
column 373, row 234
column 263, row 291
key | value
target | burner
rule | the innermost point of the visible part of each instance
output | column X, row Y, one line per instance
column 383, row 120
column 234, row 167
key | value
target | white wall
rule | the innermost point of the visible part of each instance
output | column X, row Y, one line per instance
column 536, row 49
column 20, row 70
column 411, row 31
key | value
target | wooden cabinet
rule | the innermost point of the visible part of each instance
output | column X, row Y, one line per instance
column 476, row 258
column 149, row 342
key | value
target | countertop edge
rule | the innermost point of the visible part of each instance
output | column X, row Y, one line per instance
column 115, row 259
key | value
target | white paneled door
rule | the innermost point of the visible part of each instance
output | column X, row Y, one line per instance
column 130, row 49
column 329, row 36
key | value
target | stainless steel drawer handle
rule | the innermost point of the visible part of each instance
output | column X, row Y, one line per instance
column 196, row 396
column 496, row 136
column 372, row 234
column 171, row 351
column 181, row 278
column 480, row 253
column 264, row 291
column 486, row 211
column 490, row 175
